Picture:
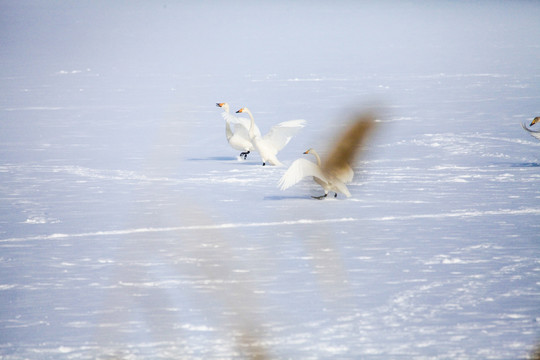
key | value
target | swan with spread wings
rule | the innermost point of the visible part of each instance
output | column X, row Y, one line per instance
column 335, row 172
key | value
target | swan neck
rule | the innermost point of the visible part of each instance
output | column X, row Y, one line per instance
column 228, row 131
column 251, row 124
column 316, row 156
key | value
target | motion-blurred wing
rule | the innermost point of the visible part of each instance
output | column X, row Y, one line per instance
column 298, row 170
column 536, row 134
column 280, row 134
column 347, row 147
column 344, row 174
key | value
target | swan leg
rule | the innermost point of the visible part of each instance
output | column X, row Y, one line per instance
column 320, row 197
column 264, row 163
column 335, row 195
column 244, row 154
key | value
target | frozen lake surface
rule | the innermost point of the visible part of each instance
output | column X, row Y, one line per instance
column 130, row 229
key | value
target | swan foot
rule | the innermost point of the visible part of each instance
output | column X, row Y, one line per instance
column 320, row 197
column 264, row 163
column 335, row 195
column 244, row 154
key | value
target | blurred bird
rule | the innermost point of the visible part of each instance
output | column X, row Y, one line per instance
column 239, row 139
column 335, row 172
column 534, row 133
column 270, row 144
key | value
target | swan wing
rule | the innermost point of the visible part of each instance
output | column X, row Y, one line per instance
column 240, row 139
column 347, row 147
column 237, row 120
column 280, row 134
column 298, row 170
column 241, row 131
column 534, row 133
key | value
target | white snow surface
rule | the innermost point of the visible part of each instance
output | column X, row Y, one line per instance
column 130, row 229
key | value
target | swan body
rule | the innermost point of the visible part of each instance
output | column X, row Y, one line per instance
column 330, row 181
column 239, row 138
column 335, row 172
column 270, row 144
column 534, row 133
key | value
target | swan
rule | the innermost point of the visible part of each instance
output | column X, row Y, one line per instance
column 301, row 168
column 270, row 144
column 534, row 133
column 239, row 139
column 335, row 172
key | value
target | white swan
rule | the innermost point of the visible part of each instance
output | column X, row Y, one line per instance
column 301, row 168
column 270, row 144
column 239, row 139
column 335, row 172
column 534, row 133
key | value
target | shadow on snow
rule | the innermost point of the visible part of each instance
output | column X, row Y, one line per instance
column 283, row 197
column 223, row 158
column 518, row 165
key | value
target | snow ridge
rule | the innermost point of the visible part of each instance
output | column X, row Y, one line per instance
column 463, row 213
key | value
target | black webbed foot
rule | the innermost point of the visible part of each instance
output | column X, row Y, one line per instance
column 335, row 195
column 320, row 197
column 264, row 163
column 244, row 154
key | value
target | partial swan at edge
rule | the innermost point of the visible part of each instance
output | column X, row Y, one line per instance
column 534, row 133
column 270, row 144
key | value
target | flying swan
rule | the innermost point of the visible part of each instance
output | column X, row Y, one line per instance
column 534, row 133
column 270, row 144
column 239, row 139
column 335, row 172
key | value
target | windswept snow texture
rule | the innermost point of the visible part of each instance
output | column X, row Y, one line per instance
column 130, row 229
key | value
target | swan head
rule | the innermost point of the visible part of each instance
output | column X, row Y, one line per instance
column 223, row 104
column 535, row 120
column 243, row 110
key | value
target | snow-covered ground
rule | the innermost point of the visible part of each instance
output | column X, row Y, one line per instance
column 130, row 229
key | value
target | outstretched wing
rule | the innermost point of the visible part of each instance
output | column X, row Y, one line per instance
column 280, row 134
column 298, row 170
column 536, row 134
column 347, row 147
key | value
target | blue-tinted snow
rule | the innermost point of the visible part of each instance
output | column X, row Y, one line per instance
column 129, row 228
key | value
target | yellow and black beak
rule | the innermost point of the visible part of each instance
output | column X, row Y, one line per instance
column 219, row 104
column 535, row 120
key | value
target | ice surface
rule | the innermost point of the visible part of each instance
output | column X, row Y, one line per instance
column 130, row 229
